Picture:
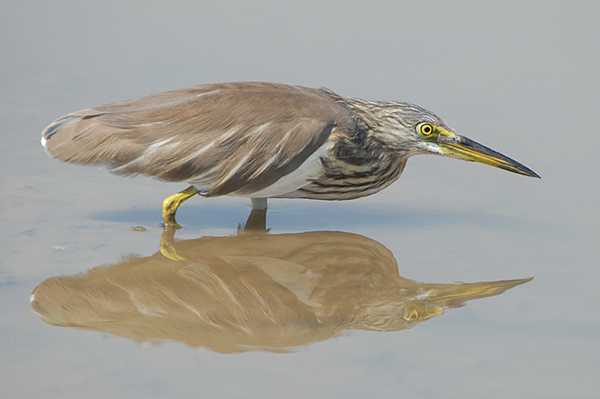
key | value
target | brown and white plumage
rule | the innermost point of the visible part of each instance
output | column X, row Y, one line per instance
column 234, row 138
column 259, row 140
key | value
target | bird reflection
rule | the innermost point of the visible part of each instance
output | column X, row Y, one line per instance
column 251, row 291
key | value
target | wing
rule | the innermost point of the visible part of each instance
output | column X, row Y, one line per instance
column 236, row 137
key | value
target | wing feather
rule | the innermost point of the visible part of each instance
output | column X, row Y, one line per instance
column 235, row 137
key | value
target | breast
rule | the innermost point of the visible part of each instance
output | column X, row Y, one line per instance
column 344, row 181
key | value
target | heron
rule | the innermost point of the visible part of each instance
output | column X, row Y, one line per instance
column 261, row 140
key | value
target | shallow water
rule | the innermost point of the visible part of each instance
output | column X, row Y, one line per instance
column 354, row 311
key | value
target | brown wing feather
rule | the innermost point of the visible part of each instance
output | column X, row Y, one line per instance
column 238, row 137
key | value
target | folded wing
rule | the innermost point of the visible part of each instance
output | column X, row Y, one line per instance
column 237, row 137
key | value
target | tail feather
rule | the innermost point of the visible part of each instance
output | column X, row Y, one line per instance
column 66, row 140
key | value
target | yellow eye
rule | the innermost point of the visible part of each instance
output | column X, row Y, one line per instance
column 425, row 129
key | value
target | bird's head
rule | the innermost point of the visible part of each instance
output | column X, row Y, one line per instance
column 415, row 130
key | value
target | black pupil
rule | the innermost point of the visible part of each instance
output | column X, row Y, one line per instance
column 427, row 129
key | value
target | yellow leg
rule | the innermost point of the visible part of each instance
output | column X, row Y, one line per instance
column 171, row 204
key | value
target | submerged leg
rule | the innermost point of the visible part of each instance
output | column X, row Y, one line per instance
column 257, row 220
column 171, row 204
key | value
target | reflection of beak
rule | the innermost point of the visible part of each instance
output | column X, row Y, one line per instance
column 455, row 295
column 469, row 150
column 452, row 296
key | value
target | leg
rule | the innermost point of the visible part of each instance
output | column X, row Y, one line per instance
column 259, row 203
column 171, row 204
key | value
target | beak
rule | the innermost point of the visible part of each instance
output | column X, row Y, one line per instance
column 466, row 149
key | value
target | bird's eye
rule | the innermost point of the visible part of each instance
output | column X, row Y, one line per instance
column 425, row 129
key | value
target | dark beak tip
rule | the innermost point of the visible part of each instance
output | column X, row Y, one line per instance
column 531, row 173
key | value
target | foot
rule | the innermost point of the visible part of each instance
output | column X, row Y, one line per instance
column 171, row 204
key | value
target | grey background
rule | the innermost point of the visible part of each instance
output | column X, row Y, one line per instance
column 519, row 76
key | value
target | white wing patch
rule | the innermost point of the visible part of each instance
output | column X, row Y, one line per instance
column 302, row 176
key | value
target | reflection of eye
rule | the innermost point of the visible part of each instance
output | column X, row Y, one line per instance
column 426, row 129
column 411, row 315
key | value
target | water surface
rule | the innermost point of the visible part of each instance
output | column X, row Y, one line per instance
column 519, row 77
